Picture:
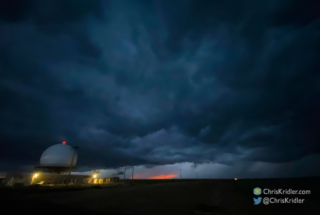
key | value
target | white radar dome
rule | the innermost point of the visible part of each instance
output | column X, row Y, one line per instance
column 58, row 155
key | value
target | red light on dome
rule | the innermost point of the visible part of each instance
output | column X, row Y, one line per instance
column 64, row 142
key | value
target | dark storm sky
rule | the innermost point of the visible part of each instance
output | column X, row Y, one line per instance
column 160, row 82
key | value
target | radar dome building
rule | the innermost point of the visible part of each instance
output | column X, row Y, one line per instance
column 58, row 158
column 56, row 164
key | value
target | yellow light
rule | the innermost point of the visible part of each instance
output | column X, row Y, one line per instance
column 35, row 175
column 235, row 179
column 94, row 176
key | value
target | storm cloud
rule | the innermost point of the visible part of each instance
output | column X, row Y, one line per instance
column 161, row 83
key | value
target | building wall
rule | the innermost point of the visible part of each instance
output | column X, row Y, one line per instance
column 25, row 179
column 60, row 179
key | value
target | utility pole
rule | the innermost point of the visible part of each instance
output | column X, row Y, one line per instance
column 124, row 175
column 196, row 175
column 132, row 170
column 180, row 174
column 74, row 152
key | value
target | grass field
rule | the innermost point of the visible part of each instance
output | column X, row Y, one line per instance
column 143, row 197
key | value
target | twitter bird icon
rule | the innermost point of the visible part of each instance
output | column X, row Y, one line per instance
column 257, row 201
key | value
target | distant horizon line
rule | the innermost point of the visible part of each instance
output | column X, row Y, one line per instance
column 176, row 178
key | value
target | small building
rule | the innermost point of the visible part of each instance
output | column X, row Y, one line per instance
column 105, row 180
column 111, row 180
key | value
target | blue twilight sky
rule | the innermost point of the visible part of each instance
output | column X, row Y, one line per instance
column 222, row 88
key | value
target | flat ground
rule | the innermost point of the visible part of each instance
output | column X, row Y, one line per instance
column 154, row 197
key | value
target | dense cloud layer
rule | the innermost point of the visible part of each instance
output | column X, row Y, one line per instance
column 158, row 83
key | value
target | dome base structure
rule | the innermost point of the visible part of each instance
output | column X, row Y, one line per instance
column 55, row 169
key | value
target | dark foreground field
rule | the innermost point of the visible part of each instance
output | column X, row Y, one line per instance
column 167, row 197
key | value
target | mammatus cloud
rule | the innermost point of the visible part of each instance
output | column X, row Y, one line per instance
column 234, row 84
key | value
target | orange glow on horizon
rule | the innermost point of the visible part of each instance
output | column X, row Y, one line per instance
column 163, row 177
column 137, row 176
